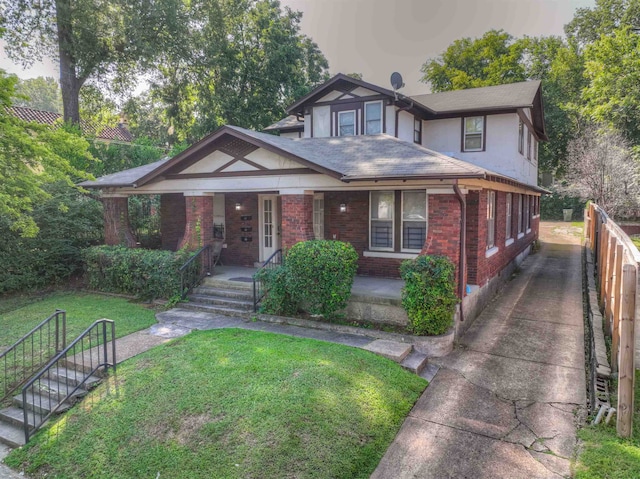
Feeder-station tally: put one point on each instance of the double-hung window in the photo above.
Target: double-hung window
(527, 211)
(509, 215)
(491, 219)
(417, 130)
(414, 220)
(529, 146)
(521, 137)
(520, 214)
(473, 133)
(382, 207)
(318, 216)
(373, 118)
(347, 123)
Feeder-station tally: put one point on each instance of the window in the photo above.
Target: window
(491, 219)
(373, 118)
(414, 220)
(509, 214)
(529, 146)
(318, 216)
(473, 132)
(417, 130)
(521, 137)
(346, 123)
(520, 211)
(381, 216)
(528, 210)
(535, 150)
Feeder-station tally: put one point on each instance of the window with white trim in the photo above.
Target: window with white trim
(347, 123)
(318, 216)
(417, 130)
(520, 214)
(382, 205)
(473, 133)
(414, 220)
(491, 219)
(529, 146)
(373, 118)
(509, 216)
(521, 137)
(527, 211)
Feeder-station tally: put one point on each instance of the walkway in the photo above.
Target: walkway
(506, 402)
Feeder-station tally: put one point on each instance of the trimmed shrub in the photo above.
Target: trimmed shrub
(429, 295)
(551, 206)
(147, 274)
(277, 299)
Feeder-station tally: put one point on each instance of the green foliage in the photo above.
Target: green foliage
(41, 93)
(308, 408)
(320, 275)
(147, 274)
(277, 299)
(429, 295)
(67, 222)
(551, 206)
(114, 157)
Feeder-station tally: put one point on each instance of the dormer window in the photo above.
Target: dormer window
(373, 118)
(347, 123)
(473, 133)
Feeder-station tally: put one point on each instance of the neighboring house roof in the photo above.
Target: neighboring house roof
(118, 133)
(289, 123)
(346, 158)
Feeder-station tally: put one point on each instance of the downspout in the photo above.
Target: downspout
(463, 247)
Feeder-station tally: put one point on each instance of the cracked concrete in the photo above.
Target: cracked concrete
(508, 400)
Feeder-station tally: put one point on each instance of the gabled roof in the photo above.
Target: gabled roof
(354, 158)
(118, 133)
(289, 123)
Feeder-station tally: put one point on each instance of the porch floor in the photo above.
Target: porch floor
(363, 286)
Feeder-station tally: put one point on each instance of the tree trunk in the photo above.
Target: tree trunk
(69, 82)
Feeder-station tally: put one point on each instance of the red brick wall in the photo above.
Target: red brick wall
(117, 230)
(172, 220)
(297, 219)
(443, 233)
(241, 253)
(198, 230)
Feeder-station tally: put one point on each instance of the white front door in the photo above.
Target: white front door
(269, 234)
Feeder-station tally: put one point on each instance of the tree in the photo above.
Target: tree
(92, 38)
(589, 24)
(601, 167)
(32, 156)
(41, 93)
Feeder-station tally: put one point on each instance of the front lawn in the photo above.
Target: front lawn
(232, 404)
(604, 454)
(18, 315)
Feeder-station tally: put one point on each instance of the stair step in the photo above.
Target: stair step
(11, 435)
(72, 377)
(15, 416)
(58, 390)
(415, 362)
(394, 350)
(40, 404)
(212, 282)
(224, 292)
(221, 301)
(210, 308)
(429, 372)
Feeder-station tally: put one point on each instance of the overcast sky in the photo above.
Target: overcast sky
(377, 37)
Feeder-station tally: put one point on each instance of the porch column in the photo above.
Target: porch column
(297, 219)
(117, 230)
(198, 229)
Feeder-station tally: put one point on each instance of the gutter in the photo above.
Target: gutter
(463, 249)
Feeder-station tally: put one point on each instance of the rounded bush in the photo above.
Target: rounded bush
(428, 295)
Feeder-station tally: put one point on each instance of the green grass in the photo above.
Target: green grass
(636, 240)
(605, 455)
(19, 314)
(232, 404)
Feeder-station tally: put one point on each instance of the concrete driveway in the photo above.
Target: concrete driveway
(506, 403)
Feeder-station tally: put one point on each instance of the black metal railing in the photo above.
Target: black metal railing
(63, 378)
(196, 268)
(33, 350)
(274, 261)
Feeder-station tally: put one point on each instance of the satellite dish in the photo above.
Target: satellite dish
(396, 81)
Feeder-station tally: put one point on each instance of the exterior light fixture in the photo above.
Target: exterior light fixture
(343, 208)
(238, 206)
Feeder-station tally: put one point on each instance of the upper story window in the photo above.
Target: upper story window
(473, 133)
(529, 146)
(417, 130)
(521, 137)
(373, 118)
(347, 123)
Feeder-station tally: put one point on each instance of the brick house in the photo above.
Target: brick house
(450, 173)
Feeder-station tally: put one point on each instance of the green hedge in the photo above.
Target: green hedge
(429, 295)
(551, 206)
(316, 277)
(147, 274)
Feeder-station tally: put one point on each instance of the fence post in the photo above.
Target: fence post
(609, 283)
(617, 306)
(627, 370)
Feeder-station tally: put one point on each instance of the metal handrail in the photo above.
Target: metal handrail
(36, 349)
(274, 261)
(194, 270)
(44, 393)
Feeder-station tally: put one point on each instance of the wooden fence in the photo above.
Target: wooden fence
(616, 262)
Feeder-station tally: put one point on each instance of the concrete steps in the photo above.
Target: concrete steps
(222, 297)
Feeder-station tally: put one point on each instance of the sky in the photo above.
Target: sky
(378, 37)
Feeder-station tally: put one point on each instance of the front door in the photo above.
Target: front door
(269, 234)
